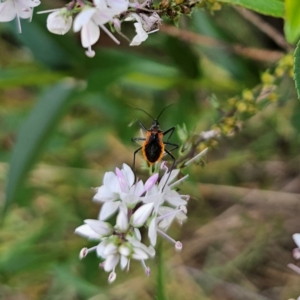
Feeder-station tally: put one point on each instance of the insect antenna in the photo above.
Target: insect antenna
(163, 111)
(145, 113)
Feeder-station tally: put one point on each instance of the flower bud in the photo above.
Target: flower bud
(111, 262)
(151, 182)
(122, 222)
(58, 22)
(141, 215)
(100, 227)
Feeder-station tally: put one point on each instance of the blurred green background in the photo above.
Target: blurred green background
(64, 117)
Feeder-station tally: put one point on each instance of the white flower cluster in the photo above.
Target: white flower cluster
(153, 205)
(22, 9)
(92, 16)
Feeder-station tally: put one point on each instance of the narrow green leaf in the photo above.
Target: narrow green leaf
(26, 76)
(292, 20)
(297, 68)
(273, 8)
(65, 277)
(33, 135)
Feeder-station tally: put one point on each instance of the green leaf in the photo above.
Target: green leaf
(273, 8)
(297, 69)
(33, 135)
(26, 76)
(65, 277)
(292, 20)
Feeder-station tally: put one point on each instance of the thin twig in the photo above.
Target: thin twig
(251, 53)
(265, 27)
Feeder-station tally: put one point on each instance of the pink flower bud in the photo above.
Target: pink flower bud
(151, 182)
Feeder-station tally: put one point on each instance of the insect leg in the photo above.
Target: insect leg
(175, 146)
(135, 152)
(137, 139)
(173, 164)
(170, 132)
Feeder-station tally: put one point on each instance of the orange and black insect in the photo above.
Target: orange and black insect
(153, 147)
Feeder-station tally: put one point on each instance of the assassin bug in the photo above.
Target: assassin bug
(153, 147)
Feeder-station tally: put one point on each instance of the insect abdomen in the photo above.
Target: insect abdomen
(153, 148)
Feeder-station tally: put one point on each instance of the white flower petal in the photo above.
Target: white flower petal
(102, 16)
(25, 12)
(100, 4)
(174, 174)
(118, 5)
(123, 262)
(102, 228)
(90, 34)
(124, 250)
(174, 198)
(108, 209)
(142, 214)
(87, 232)
(165, 223)
(137, 244)
(128, 174)
(152, 198)
(139, 254)
(152, 232)
(110, 180)
(124, 208)
(181, 217)
(141, 35)
(150, 251)
(83, 18)
(110, 249)
(138, 188)
(7, 11)
(30, 3)
(104, 194)
(101, 248)
(111, 262)
(137, 234)
(169, 214)
(296, 237)
(130, 199)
